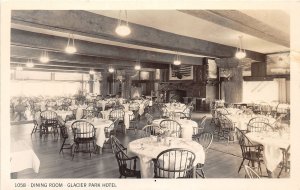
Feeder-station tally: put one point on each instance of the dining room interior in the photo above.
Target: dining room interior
(150, 94)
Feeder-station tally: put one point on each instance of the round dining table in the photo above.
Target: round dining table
(187, 126)
(273, 143)
(148, 148)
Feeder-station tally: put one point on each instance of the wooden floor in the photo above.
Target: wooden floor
(222, 160)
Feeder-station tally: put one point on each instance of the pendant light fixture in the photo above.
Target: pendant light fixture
(44, 57)
(240, 52)
(177, 60)
(138, 63)
(70, 49)
(123, 29)
(111, 69)
(137, 67)
(29, 64)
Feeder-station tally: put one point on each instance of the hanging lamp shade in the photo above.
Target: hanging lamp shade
(44, 57)
(70, 49)
(240, 52)
(123, 28)
(177, 60)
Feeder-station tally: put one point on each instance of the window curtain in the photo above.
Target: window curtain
(282, 90)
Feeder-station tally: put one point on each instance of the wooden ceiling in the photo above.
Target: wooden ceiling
(98, 47)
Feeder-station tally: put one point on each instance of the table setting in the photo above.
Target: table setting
(149, 147)
(99, 125)
(273, 142)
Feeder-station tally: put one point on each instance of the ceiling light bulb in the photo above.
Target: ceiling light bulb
(19, 68)
(70, 49)
(137, 67)
(44, 59)
(111, 70)
(29, 64)
(240, 54)
(92, 72)
(123, 30)
(177, 62)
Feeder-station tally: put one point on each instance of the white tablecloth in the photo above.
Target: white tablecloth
(186, 126)
(23, 157)
(106, 113)
(272, 142)
(63, 114)
(151, 149)
(99, 124)
(230, 110)
(241, 121)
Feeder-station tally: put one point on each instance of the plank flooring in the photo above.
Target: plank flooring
(222, 160)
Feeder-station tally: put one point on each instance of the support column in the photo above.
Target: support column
(104, 84)
(232, 85)
(126, 87)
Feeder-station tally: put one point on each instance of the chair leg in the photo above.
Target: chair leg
(62, 146)
(280, 172)
(241, 165)
(34, 129)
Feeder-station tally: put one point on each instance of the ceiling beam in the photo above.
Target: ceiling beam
(93, 25)
(53, 67)
(93, 61)
(54, 43)
(239, 21)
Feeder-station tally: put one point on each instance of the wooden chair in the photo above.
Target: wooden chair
(222, 111)
(173, 126)
(118, 114)
(148, 130)
(250, 151)
(259, 119)
(49, 120)
(149, 118)
(188, 111)
(127, 165)
(134, 120)
(227, 129)
(65, 136)
(134, 106)
(35, 127)
(259, 127)
(201, 125)
(112, 129)
(285, 164)
(84, 133)
(174, 163)
(265, 108)
(179, 115)
(163, 111)
(90, 112)
(213, 113)
(250, 173)
(205, 139)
